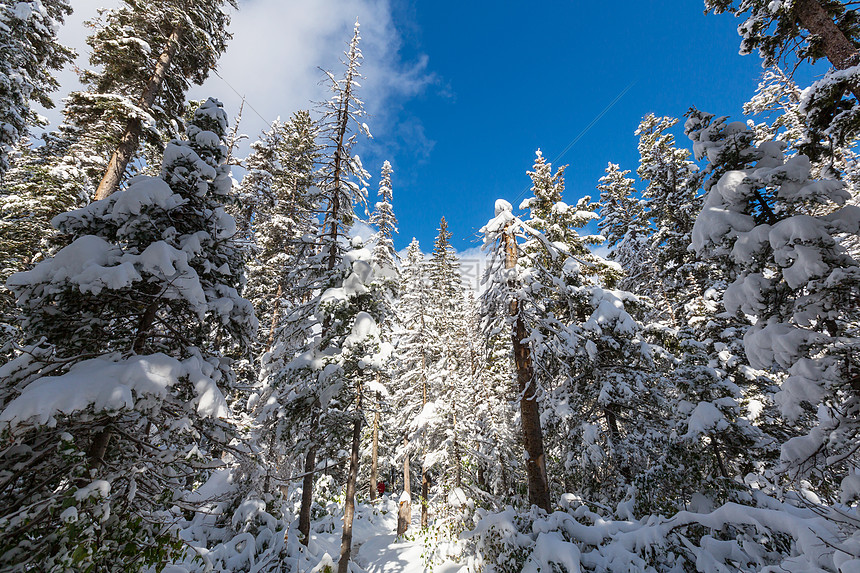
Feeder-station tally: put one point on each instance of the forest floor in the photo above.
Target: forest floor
(376, 548)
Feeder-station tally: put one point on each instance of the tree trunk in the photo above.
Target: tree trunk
(404, 513)
(307, 496)
(529, 408)
(425, 493)
(349, 504)
(98, 447)
(458, 470)
(130, 140)
(275, 308)
(838, 48)
(374, 450)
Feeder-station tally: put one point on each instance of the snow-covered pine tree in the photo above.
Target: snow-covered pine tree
(29, 54)
(672, 202)
(624, 225)
(490, 423)
(36, 189)
(147, 54)
(416, 345)
(447, 312)
(385, 260)
(279, 204)
(786, 33)
(315, 373)
(558, 221)
(778, 101)
(580, 355)
(120, 391)
(778, 235)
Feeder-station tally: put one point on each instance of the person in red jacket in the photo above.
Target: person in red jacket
(380, 487)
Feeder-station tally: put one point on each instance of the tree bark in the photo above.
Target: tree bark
(307, 495)
(404, 513)
(838, 48)
(349, 504)
(98, 447)
(425, 493)
(529, 407)
(458, 470)
(130, 140)
(374, 450)
(275, 309)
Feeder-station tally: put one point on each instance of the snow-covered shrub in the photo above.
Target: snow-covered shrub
(765, 536)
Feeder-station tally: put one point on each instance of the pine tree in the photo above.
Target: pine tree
(447, 313)
(497, 461)
(778, 236)
(312, 385)
(122, 388)
(417, 344)
(671, 196)
(147, 55)
(29, 53)
(34, 190)
(384, 259)
(624, 225)
(278, 211)
(787, 33)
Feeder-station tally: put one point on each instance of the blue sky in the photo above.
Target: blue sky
(461, 94)
(517, 76)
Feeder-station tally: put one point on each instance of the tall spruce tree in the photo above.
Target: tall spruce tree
(778, 234)
(278, 210)
(624, 225)
(317, 371)
(417, 344)
(385, 260)
(147, 55)
(29, 54)
(122, 388)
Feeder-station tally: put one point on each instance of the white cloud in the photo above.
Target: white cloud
(275, 56)
(362, 230)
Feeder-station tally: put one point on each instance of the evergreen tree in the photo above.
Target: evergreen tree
(671, 197)
(447, 313)
(786, 33)
(147, 55)
(33, 191)
(278, 212)
(29, 53)
(777, 234)
(122, 388)
(624, 225)
(417, 344)
(384, 259)
(314, 377)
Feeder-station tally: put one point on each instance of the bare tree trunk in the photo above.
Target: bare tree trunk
(404, 513)
(425, 490)
(374, 450)
(98, 447)
(275, 309)
(307, 496)
(529, 408)
(349, 504)
(130, 140)
(425, 493)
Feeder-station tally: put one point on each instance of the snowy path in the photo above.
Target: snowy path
(375, 546)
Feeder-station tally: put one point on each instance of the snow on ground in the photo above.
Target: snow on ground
(376, 548)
